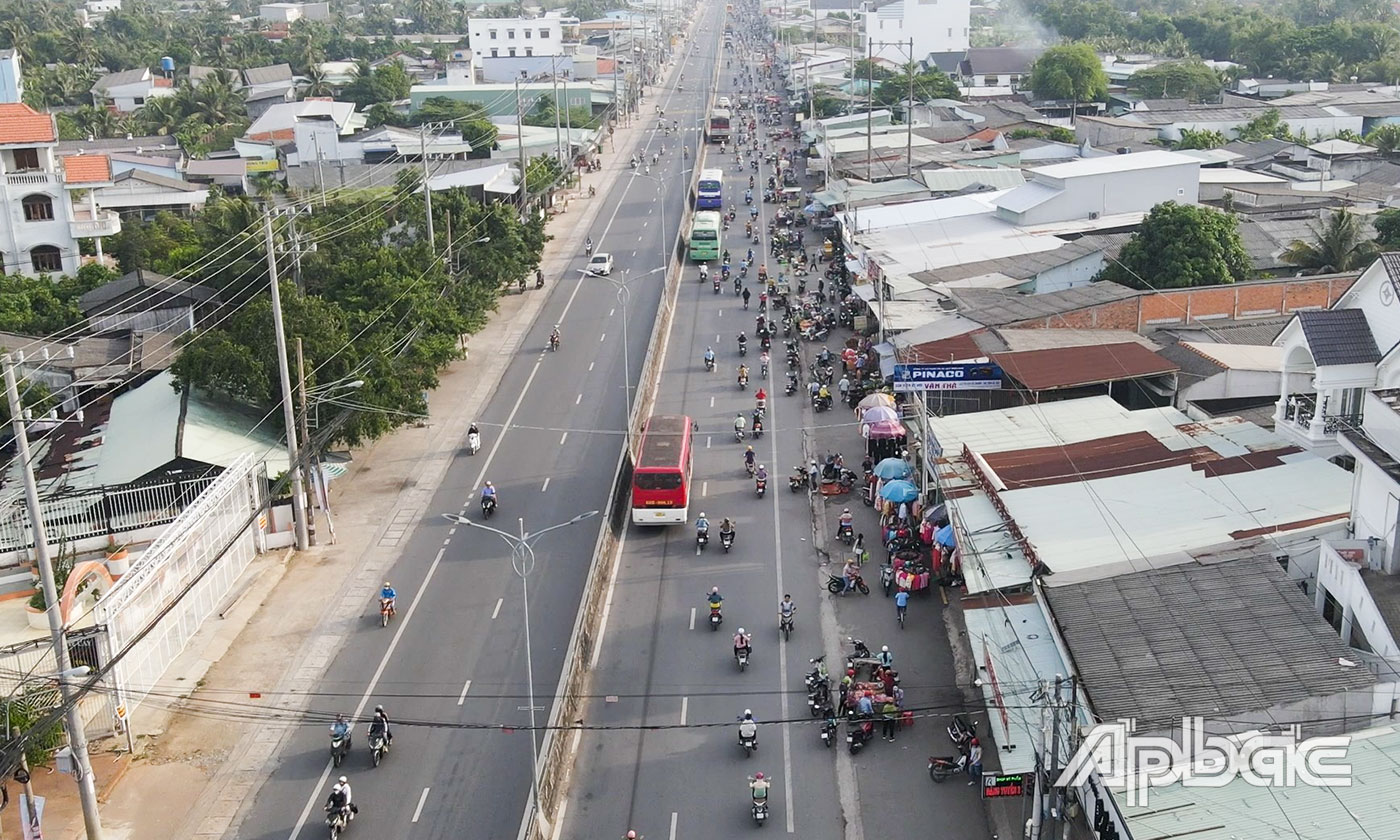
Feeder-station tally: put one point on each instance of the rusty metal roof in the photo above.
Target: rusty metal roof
(1070, 367)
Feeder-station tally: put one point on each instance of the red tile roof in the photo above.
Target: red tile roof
(20, 123)
(1070, 367)
(86, 169)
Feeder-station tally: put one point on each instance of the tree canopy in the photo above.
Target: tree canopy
(928, 84)
(1069, 71)
(1340, 244)
(1180, 245)
(1191, 80)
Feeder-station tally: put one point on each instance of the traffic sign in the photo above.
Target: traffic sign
(979, 376)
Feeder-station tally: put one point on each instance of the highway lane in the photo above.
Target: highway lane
(458, 665)
(674, 687)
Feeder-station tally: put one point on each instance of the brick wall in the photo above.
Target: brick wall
(1255, 299)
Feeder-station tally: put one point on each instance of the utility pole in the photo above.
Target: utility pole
(1072, 738)
(1040, 769)
(312, 485)
(869, 110)
(1053, 765)
(73, 716)
(427, 190)
(520, 142)
(558, 137)
(568, 131)
(909, 119)
(288, 411)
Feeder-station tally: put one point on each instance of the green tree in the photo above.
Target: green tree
(1180, 245)
(1202, 138)
(1385, 137)
(1267, 125)
(380, 84)
(928, 84)
(866, 69)
(825, 103)
(1069, 71)
(1339, 245)
(1387, 225)
(1191, 80)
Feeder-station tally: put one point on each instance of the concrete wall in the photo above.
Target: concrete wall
(1341, 580)
(1104, 194)
(1078, 272)
(1178, 306)
(1233, 384)
(545, 36)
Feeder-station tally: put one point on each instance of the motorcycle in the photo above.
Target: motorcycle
(828, 730)
(820, 403)
(488, 506)
(887, 579)
(797, 481)
(757, 430)
(791, 387)
(941, 767)
(473, 443)
(818, 672)
(378, 746)
(726, 540)
(715, 618)
(716, 285)
(743, 383)
(741, 658)
(858, 734)
(738, 435)
(702, 539)
(709, 365)
(553, 343)
(785, 625)
(961, 731)
(845, 533)
(760, 486)
(386, 611)
(749, 743)
(743, 348)
(760, 809)
(336, 821)
(738, 285)
(340, 747)
(836, 584)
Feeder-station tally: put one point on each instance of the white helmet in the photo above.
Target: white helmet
(741, 631)
(748, 713)
(884, 648)
(714, 590)
(343, 781)
(702, 514)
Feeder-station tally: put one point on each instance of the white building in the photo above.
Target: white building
(292, 12)
(11, 77)
(516, 37)
(50, 200)
(128, 90)
(936, 26)
(1094, 187)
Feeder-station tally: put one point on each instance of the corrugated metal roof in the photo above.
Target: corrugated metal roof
(1364, 810)
(951, 180)
(997, 308)
(1209, 640)
(1069, 367)
(1239, 356)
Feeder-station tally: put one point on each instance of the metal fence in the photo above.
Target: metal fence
(99, 512)
(190, 551)
(27, 663)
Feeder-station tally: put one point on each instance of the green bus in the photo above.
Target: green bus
(705, 230)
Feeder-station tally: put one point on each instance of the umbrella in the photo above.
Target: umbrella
(878, 413)
(945, 536)
(899, 491)
(936, 513)
(874, 400)
(883, 429)
(892, 468)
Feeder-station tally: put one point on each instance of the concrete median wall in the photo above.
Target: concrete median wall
(558, 746)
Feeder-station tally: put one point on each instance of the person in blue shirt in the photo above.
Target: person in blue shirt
(388, 594)
(709, 355)
(489, 491)
(702, 525)
(865, 706)
(885, 658)
(901, 603)
(341, 729)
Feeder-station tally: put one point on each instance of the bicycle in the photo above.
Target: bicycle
(899, 613)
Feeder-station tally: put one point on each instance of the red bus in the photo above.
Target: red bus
(661, 479)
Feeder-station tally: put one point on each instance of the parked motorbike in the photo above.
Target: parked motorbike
(961, 731)
(828, 730)
(836, 584)
(941, 767)
(797, 481)
(858, 734)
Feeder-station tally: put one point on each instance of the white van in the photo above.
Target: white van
(724, 102)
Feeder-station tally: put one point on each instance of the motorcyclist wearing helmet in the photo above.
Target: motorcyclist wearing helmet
(758, 787)
(762, 474)
(749, 457)
(743, 642)
(709, 357)
(715, 599)
(748, 728)
(488, 491)
(381, 722)
(702, 525)
(389, 594)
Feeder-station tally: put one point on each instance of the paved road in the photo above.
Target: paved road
(666, 689)
(451, 668)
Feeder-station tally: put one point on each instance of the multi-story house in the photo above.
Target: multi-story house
(516, 37)
(49, 200)
(934, 26)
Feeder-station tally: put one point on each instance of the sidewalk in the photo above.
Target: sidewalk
(269, 649)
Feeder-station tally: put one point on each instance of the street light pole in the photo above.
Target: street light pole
(23, 776)
(522, 561)
(77, 738)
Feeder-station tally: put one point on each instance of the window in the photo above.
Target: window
(544, 33)
(38, 208)
(512, 52)
(527, 34)
(950, 32)
(529, 51)
(26, 158)
(46, 258)
(510, 34)
(495, 53)
(138, 101)
(493, 34)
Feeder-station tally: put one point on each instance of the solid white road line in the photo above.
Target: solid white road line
(418, 812)
(462, 698)
(497, 610)
(673, 825)
(315, 797)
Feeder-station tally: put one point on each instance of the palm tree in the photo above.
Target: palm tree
(316, 83)
(1385, 137)
(160, 115)
(1341, 245)
(97, 122)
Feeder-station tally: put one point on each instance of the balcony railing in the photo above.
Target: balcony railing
(85, 225)
(30, 179)
(1301, 410)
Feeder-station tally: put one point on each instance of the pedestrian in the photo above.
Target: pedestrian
(974, 762)
(858, 549)
(889, 714)
(888, 677)
(844, 386)
(865, 706)
(812, 474)
(898, 695)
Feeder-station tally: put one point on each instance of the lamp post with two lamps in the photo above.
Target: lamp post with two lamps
(522, 560)
(308, 398)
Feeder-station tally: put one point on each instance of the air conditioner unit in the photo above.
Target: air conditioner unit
(1093, 215)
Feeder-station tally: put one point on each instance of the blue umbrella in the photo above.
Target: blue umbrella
(891, 468)
(945, 536)
(899, 491)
